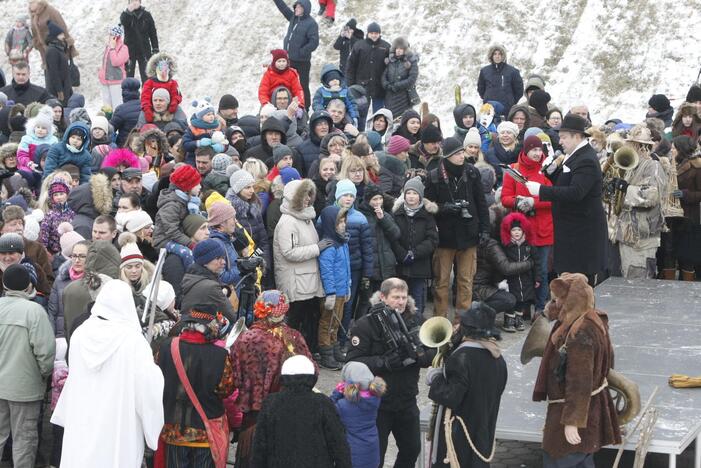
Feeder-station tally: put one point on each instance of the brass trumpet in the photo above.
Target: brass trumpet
(436, 333)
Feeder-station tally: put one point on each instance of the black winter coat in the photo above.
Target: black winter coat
(344, 46)
(398, 79)
(369, 346)
(126, 114)
(366, 64)
(418, 234)
(140, 33)
(25, 93)
(579, 220)
(522, 286)
(58, 79)
(454, 231)
(299, 428)
(302, 36)
(500, 82)
(472, 387)
(492, 267)
(386, 233)
(173, 272)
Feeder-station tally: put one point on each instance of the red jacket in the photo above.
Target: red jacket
(542, 222)
(272, 78)
(147, 93)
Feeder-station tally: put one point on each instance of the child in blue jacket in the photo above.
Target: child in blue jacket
(333, 86)
(72, 149)
(357, 399)
(334, 269)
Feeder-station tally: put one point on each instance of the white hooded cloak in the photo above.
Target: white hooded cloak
(113, 397)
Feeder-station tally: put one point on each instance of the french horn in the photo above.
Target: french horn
(624, 392)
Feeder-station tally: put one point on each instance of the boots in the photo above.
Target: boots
(518, 322)
(688, 275)
(509, 323)
(669, 274)
(327, 361)
(339, 354)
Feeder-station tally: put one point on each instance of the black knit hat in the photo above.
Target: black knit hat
(11, 243)
(431, 134)
(371, 190)
(659, 102)
(16, 278)
(539, 101)
(228, 101)
(374, 28)
(352, 24)
(694, 94)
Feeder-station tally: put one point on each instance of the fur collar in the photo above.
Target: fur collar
(429, 206)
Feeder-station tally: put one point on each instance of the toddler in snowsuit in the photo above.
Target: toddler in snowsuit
(332, 87)
(59, 211)
(201, 132)
(279, 73)
(160, 68)
(72, 149)
(357, 399)
(39, 132)
(515, 232)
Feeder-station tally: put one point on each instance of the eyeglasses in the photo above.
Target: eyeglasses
(79, 257)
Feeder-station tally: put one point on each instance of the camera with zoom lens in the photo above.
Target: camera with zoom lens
(249, 264)
(464, 211)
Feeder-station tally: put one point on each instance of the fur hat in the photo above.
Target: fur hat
(344, 187)
(121, 157)
(640, 134)
(416, 185)
(161, 93)
(539, 100)
(69, 238)
(219, 213)
(207, 250)
(400, 43)
(479, 319)
(202, 107)
(297, 365)
(240, 180)
(431, 134)
(398, 144)
(451, 145)
(185, 178)
(192, 223)
(13, 212)
(508, 223)
(507, 126)
(472, 137)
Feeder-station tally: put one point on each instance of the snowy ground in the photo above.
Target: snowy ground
(610, 54)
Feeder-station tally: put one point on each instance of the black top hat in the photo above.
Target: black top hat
(575, 124)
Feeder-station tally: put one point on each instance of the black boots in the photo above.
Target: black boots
(327, 360)
(520, 326)
(509, 323)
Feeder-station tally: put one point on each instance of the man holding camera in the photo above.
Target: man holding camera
(463, 222)
(387, 341)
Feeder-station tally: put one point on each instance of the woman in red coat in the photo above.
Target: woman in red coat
(516, 197)
(279, 74)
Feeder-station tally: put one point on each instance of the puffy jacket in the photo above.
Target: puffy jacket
(167, 225)
(250, 216)
(263, 151)
(366, 64)
(361, 243)
(25, 93)
(126, 114)
(386, 233)
(201, 287)
(139, 32)
(89, 201)
(310, 148)
(294, 245)
(274, 78)
(359, 418)
(418, 234)
(230, 276)
(398, 79)
(112, 70)
(55, 308)
(58, 78)
(500, 82)
(302, 36)
(334, 262)
(344, 46)
(542, 222)
(492, 267)
(59, 155)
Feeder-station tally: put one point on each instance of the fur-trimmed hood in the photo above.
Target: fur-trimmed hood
(162, 141)
(429, 206)
(121, 157)
(151, 65)
(92, 199)
(295, 191)
(506, 227)
(498, 47)
(410, 303)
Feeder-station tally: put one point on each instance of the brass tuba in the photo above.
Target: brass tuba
(624, 159)
(436, 333)
(625, 392)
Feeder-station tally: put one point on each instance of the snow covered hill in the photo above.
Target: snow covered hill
(610, 54)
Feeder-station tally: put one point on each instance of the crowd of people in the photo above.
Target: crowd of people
(330, 224)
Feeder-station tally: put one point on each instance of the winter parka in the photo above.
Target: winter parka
(201, 287)
(126, 114)
(310, 148)
(399, 79)
(249, 214)
(386, 233)
(140, 33)
(418, 234)
(500, 81)
(55, 307)
(324, 95)
(302, 36)
(361, 243)
(334, 261)
(89, 201)
(492, 267)
(59, 154)
(58, 78)
(344, 46)
(274, 78)
(522, 285)
(366, 64)
(167, 225)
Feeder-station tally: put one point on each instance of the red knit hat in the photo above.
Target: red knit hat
(279, 54)
(185, 178)
(532, 142)
(397, 144)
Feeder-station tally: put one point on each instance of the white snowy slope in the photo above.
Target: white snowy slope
(610, 54)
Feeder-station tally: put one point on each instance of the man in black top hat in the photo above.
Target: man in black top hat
(578, 212)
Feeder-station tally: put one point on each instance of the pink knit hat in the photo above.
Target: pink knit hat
(397, 144)
(68, 238)
(220, 212)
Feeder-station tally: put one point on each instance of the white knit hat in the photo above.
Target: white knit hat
(472, 137)
(239, 180)
(134, 221)
(130, 253)
(166, 294)
(507, 126)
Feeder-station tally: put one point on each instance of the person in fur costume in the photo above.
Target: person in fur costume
(298, 426)
(160, 69)
(470, 385)
(257, 356)
(581, 417)
(357, 398)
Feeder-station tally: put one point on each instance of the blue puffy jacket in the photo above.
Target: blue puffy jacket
(361, 430)
(59, 155)
(360, 243)
(334, 262)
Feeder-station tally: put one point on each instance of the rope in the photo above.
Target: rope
(451, 456)
(594, 393)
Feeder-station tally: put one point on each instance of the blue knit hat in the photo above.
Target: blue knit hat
(288, 174)
(207, 250)
(344, 187)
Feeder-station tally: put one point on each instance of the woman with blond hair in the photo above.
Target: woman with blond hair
(353, 169)
(261, 186)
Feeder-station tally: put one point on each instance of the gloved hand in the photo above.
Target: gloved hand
(484, 238)
(330, 302)
(525, 204)
(218, 148)
(365, 283)
(408, 258)
(204, 142)
(432, 373)
(324, 244)
(451, 208)
(392, 361)
(620, 184)
(678, 194)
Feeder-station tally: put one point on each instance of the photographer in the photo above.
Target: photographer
(386, 340)
(463, 222)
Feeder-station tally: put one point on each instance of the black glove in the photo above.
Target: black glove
(620, 184)
(484, 238)
(451, 208)
(392, 360)
(408, 258)
(365, 283)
